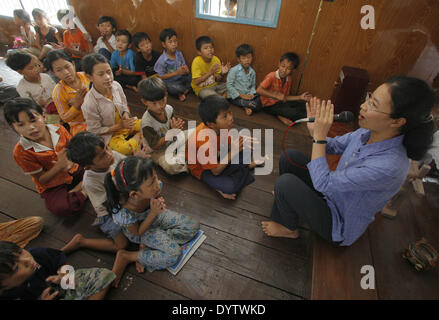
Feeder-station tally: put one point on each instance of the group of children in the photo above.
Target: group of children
(103, 153)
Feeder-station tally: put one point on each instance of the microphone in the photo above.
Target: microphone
(345, 116)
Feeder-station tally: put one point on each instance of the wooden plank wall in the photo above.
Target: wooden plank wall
(405, 39)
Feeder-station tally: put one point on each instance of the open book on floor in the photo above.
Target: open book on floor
(188, 250)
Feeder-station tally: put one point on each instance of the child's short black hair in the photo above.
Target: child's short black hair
(18, 60)
(202, 40)
(15, 106)
(243, 50)
(9, 254)
(167, 33)
(22, 15)
(124, 33)
(54, 55)
(39, 13)
(61, 13)
(138, 37)
(82, 148)
(107, 19)
(210, 107)
(291, 57)
(152, 89)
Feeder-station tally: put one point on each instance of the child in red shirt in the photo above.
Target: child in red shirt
(275, 92)
(40, 153)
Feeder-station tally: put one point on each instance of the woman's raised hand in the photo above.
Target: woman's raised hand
(324, 117)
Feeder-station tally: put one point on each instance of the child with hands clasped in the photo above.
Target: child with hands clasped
(207, 70)
(275, 91)
(133, 197)
(106, 43)
(41, 153)
(157, 121)
(171, 66)
(105, 108)
(68, 95)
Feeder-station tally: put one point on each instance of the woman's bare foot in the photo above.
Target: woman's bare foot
(228, 196)
(284, 120)
(73, 244)
(256, 163)
(248, 111)
(182, 97)
(274, 229)
(123, 258)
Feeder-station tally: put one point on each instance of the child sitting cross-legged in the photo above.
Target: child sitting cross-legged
(224, 175)
(105, 108)
(30, 274)
(41, 153)
(157, 121)
(90, 152)
(134, 198)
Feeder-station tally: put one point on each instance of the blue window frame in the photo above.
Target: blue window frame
(254, 12)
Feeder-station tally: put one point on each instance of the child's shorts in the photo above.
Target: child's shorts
(107, 226)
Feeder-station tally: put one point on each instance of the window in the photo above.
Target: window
(255, 12)
(51, 7)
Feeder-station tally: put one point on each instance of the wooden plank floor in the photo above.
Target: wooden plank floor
(237, 261)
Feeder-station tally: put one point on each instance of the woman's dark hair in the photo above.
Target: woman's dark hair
(413, 99)
(54, 55)
(18, 60)
(129, 175)
(167, 33)
(38, 13)
(210, 107)
(82, 148)
(124, 33)
(9, 254)
(291, 57)
(152, 89)
(138, 37)
(90, 60)
(22, 15)
(108, 19)
(15, 106)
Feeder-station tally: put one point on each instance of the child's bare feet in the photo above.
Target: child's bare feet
(256, 163)
(227, 196)
(123, 258)
(139, 267)
(248, 111)
(274, 229)
(73, 244)
(134, 88)
(284, 120)
(182, 97)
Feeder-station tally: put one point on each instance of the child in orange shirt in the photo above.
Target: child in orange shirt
(70, 91)
(76, 44)
(225, 176)
(40, 153)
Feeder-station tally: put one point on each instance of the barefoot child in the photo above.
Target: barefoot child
(224, 176)
(157, 121)
(241, 82)
(70, 91)
(90, 152)
(105, 108)
(133, 196)
(275, 92)
(46, 34)
(26, 275)
(41, 153)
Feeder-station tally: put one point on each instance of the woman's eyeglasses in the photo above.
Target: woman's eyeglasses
(371, 106)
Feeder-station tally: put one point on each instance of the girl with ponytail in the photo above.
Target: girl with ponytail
(133, 197)
(395, 125)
